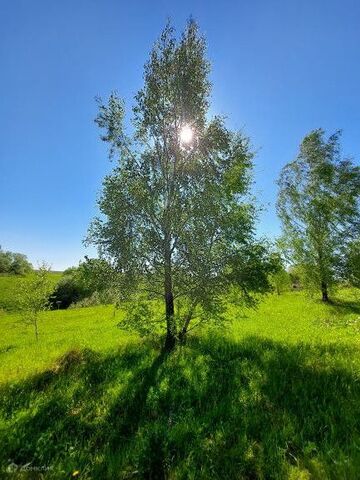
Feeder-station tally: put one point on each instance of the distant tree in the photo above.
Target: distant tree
(318, 204)
(20, 264)
(5, 261)
(280, 278)
(15, 263)
(280, 281)
(296, 276)
(70, 271)
(34, 296)
(176, 221)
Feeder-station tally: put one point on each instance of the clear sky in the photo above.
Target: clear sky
(280, 69)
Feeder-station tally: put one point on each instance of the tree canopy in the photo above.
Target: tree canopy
(15, 263)
(176, 218)
(318, 204)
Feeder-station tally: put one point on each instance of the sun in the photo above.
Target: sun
(186, 134)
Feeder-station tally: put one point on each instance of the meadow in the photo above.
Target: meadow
(276, 395)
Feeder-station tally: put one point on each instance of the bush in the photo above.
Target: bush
(280, 281)
(67, 291)
(97, 298)
(79, 285)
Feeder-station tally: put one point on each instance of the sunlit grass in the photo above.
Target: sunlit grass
(59, 331)
(276, 396)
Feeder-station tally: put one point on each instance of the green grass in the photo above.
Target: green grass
(275, 397)
(9, 289)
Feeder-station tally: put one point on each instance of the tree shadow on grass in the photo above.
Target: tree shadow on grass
(212, 409)
(344, 307)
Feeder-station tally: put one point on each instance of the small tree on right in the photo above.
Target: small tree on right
(318, 204)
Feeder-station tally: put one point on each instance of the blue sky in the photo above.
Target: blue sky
(280, 69)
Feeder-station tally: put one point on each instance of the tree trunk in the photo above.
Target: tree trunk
(170, 340)
(36, 330)
(169, 313)
(324, 292)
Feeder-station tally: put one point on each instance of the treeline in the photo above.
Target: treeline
(14, 263)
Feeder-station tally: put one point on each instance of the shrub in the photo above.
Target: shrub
(81, 283)
(67, 291)
(104, 297)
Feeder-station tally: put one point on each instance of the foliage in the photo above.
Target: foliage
(142, 317)
(5, 261)
(10, 285)
(67, 291)
(94, 275)
(353, 264)
(104, 297)
(176, 219)
(296, 276)
(34, 296)
(318, 204)
(78, 283)
(264, 401)
(15, 263)
(280, 281)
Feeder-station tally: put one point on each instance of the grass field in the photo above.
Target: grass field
(275, 396)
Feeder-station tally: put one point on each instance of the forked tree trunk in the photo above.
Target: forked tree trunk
(324, 292)
(182, 335)
(183, 331)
